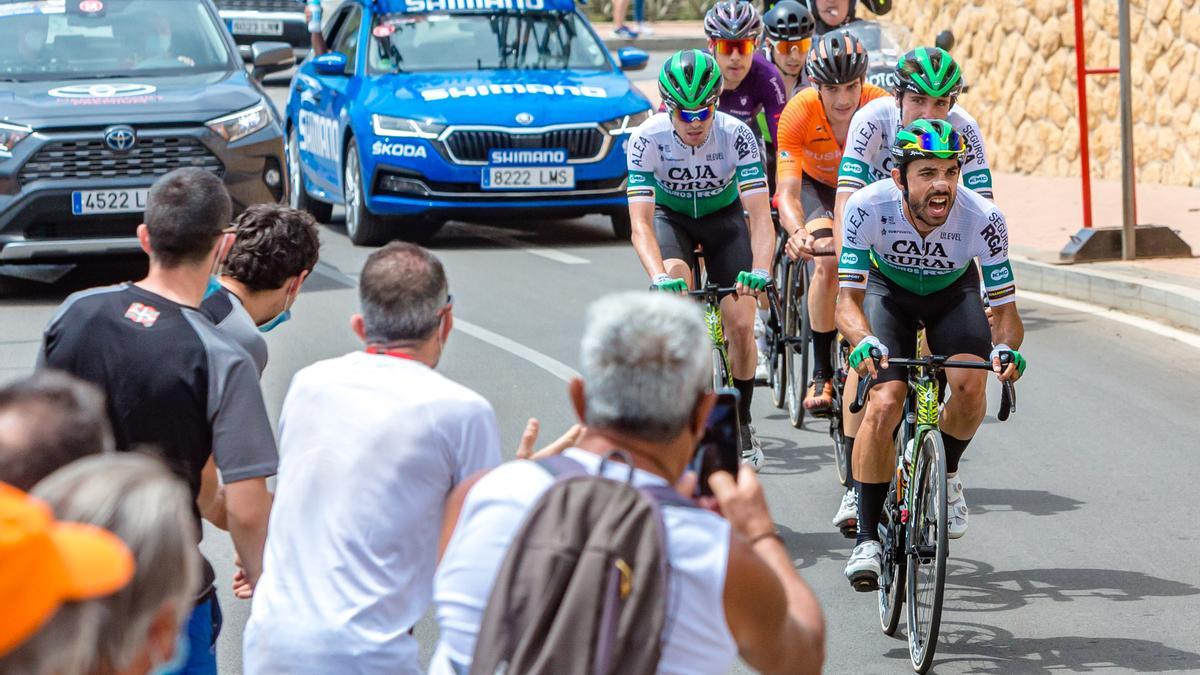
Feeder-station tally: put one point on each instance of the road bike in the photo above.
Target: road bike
(912, 528)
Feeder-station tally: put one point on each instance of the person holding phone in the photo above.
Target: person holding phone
(645, 390)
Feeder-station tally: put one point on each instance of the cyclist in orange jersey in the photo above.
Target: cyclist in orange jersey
(812, 136)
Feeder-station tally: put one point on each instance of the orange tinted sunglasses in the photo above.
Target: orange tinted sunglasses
(728, 47)
(792, 46)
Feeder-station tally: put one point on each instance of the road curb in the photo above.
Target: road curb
(1167, 303)
(658, 44)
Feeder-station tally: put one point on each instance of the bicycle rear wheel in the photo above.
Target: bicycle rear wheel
(892, 571)
(928, 548)
(798, 352)
(777, 344)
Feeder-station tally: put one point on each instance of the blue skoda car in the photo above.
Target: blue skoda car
(427, 110)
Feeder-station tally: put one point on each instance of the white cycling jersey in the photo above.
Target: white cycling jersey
(868, 155)
(694, 181)
(878, 237)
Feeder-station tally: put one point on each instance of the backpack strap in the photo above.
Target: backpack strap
(666, 495)
(561, 466)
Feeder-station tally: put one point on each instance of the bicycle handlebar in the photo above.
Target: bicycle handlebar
(1008, 393)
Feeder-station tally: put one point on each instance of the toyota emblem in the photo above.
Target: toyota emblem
(120, 138)
(524, 118)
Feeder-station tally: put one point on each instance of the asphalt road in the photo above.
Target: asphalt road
(1071, 563)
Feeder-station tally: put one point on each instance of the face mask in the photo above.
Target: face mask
(177, 661)
(213, 286)
(274, 323)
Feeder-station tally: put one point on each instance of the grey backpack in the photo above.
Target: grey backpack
(583, 587)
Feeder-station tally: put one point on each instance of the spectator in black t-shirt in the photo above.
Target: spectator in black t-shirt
(48, 420)
(172, 379)
(275, 249)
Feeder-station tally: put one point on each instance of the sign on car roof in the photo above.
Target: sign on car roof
(422, 6)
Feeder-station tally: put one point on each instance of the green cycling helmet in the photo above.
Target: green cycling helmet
(927, 139)
(930, 71)
(690, 80)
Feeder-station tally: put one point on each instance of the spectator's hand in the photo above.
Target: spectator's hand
(308, 10)
(742, 502)
(687, 487)
(242, 589)
(530, 435)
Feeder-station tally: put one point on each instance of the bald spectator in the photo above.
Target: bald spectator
(48, 420)
(371, 443)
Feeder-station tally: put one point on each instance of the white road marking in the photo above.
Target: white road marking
(1190, 339)
(556, 368)
(501, 237)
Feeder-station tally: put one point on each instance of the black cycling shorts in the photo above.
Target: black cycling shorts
(817, 202)
(723, 235)
(953, 318)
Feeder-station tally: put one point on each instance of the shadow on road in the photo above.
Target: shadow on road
(461, 235)
(808, 548)
(46, 289)
(784, 457)
(1033, 502)
(980, 648)
(975, 586)
(1035, 320)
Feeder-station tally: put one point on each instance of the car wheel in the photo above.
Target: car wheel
(621, 226)
(297, 197)
(363, 227)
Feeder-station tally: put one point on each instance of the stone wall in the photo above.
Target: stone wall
(1019, 58)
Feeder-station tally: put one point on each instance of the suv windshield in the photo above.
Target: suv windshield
(516, 40)
(55, 40)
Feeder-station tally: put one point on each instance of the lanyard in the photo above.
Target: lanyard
(396, 353)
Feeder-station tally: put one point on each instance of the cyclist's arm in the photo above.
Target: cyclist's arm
(752, 187)
(998, 280)
(316, 37)
(774, 98)
(863, 140)
(976, 174)
(854, 266)
(788, 166)
(641, 160)
(849, 316)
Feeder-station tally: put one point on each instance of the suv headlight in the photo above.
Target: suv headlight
(625, 124)
(10, 135)
(238, 125)
(406, 127)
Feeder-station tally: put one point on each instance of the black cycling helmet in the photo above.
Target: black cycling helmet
(837, 58)
(733, 20)
(788, 21)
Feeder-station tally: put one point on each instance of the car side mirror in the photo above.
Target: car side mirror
(632, 58)
(246, 54)
(270, 57)
(945, 40)
(332, 63)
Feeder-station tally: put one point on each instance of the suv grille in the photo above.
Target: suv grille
(473, 146)
(72, 160)
(262, 5)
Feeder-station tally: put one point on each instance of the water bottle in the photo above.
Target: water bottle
(314, 21)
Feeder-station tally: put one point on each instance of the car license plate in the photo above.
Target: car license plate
(529, 178)
(88, 202)
(256, 27)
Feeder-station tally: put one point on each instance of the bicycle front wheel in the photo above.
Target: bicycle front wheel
(892, 571)
(720, 369)
(928, 548)
(836, 429)
(798, 327)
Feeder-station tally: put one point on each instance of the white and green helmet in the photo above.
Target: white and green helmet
(690, 80)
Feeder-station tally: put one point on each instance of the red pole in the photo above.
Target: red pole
(1081, 87)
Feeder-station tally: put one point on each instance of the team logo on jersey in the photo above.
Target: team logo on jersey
(849, 258)
(745, 100)
(143, 314)
(977, 179)
(1000, 274)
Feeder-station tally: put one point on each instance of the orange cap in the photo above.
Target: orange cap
(44, 563)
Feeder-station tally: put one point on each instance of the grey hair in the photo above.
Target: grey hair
(645, 364)
(402, 290)
(137, 498)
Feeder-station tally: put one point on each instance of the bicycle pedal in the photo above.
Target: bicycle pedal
(865, 584)
(849, 531)
(822, 413)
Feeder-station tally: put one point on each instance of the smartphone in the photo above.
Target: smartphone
(719, 448)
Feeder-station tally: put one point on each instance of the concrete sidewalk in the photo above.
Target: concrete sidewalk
(667, 36)
(1044, 212)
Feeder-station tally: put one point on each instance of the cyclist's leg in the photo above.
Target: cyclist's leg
(960, 329)
(726, 240)
(677, 246)
(816, 199)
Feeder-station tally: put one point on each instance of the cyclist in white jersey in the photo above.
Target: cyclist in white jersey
(692, 171)
(908, 263)
(928, 84)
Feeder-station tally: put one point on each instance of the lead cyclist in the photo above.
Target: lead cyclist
(907, 262)
(692, 171)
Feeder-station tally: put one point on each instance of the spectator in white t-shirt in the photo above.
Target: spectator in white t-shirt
(370, 446)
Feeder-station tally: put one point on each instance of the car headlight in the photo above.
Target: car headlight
(625, 124)
(238, 125)
(406, 127)
(10, 135)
